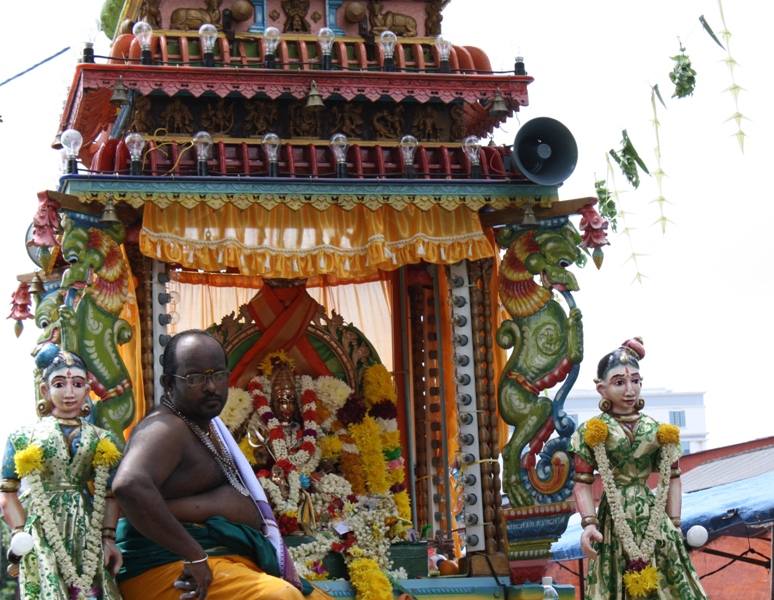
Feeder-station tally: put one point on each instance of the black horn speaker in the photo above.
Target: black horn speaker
(545, 151)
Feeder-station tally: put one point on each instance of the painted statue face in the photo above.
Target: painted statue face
(66, 389)
(622, 386)
(286, 408)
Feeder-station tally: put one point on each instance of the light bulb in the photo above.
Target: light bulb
(271, 143)
(443, 46)
(339, 144)
(470, 146)
(272, 37)
(203, 142)
(408, 146)
(71, 142)
(387, 40)
(697, 536)
(143, 32)
(21, 543)
(325, 38)
(208, 33)
(135, 143)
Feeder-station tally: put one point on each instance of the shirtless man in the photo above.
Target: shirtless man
(174, 472)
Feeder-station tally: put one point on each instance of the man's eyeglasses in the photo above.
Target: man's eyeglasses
(195, 379)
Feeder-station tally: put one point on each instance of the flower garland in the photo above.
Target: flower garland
(641, 577)
(238, 408)
(307, 456)
(29, 463)
(287, 507)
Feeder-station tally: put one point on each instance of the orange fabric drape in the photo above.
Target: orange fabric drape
(286, 243)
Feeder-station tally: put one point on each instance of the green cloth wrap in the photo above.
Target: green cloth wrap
(217, 536)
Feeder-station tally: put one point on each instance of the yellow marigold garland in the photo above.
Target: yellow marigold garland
(641, 583)
(377, 385)
(331, 446)
(369, 581)
(267, 364)
(596, 432)
(366, 435)
(248, 451)
(668, 434)
(403, 502)
(391, 440)
(28, 460)
(106, 454)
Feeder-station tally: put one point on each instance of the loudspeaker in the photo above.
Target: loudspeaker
(545, 151)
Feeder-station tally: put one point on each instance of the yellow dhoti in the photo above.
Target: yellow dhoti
(233, 578)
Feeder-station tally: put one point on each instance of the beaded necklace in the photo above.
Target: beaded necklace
(221, 453)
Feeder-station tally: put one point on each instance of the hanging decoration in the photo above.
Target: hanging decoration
(616, 195)
(659, 172)
(682, 75)
(628, 159)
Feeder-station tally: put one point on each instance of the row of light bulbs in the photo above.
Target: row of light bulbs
(208, 33)
(72, 141)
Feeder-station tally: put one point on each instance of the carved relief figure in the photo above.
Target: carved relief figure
(218, 118)
(434, 17)
(150, 12)
(303, 122)
(295, 11)
(458, 127)
(388, 124)
(142, 122)
(193, 18)
(399, 24)
(177, 118)
(348, 120)
(425, 125)
(261, 116)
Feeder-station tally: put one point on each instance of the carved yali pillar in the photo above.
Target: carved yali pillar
(546, 343)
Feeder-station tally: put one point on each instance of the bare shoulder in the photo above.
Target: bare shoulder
(160, 434)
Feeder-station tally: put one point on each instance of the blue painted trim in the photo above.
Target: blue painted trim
(259, 25)
(331, 6)
(75, 184)
(454, 587)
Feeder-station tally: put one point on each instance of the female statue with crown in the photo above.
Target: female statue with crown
(287, 422)
(72, 533)
(633, 542)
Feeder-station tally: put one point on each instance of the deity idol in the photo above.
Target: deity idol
(633, 542)
(73, 555)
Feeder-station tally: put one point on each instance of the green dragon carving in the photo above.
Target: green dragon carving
(546, 345)
(83, 316)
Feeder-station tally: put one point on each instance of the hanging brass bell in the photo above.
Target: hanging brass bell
(314, 99)
(119, 97)
(36, 285)
(529, 221)
(109, 214)
(499, 108)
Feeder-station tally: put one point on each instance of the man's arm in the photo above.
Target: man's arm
(152, 455)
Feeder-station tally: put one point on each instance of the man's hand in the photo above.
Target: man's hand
(590, 534)
(195, 580)
(113, 557)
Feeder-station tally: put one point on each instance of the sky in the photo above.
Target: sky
(701, 305)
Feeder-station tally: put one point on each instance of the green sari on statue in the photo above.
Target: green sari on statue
(67, 468)
(633, 456)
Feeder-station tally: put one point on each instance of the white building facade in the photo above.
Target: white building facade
(684, 409)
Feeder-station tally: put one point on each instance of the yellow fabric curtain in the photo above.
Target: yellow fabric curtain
(206, 298)
(303, 242)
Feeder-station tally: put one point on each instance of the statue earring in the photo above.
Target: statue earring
(605, 405)
(43, 407)
(640, 404)
(86, 409)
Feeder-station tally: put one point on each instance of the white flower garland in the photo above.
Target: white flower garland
(239, 408)
(282, 506)
(91, 557)
(620, 524)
